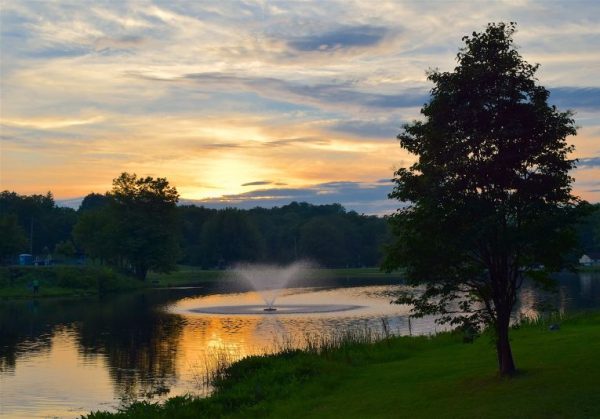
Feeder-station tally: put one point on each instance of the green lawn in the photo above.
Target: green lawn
(185, 275)
(85, 280)
(62, 281)
(190, 275)
(412, 378)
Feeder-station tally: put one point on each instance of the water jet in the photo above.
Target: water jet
(270, 280)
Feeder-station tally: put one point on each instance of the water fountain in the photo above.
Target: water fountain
(269, 281)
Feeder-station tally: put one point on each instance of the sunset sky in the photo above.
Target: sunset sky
(258, 102)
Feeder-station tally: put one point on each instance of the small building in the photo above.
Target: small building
(590, 259)
(25, 259)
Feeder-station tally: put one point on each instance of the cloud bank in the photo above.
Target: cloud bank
(221, 96)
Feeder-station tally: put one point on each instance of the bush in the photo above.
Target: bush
(79, 278)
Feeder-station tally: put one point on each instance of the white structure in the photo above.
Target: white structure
(590, 259)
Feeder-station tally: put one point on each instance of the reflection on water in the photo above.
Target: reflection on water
(67, 357)
(575, 292)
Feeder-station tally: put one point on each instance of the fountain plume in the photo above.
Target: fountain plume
(270, 280)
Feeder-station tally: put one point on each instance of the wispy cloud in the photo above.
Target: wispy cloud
(214, 95)
(344, 37)
(363, 197)
(588, 162)
(576, 98)
(258, 183)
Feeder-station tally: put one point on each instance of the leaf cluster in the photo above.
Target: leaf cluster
(489, 196)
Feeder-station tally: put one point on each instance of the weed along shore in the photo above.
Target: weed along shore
(415, 377)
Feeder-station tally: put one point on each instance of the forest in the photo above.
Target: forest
(140, 228)
(328, 235)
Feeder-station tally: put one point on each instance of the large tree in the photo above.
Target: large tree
(147, 222)
(135, 227)
(489, 196)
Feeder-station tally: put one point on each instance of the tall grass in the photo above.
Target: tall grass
(214, 366)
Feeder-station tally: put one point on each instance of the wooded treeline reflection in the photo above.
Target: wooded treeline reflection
(138, 340)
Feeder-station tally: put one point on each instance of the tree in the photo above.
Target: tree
(134, 227)
(95, 233)
(324, 240)
(229, 237)
(64, 249)
(44, 223)
(144, 211)
(490, 194)
(93, 201)
(13, 238)
(589, 232)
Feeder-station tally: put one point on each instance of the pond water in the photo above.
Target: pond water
(64, 358)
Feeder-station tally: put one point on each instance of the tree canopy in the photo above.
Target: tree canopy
(220, 238)
(489, 197)
(137, 228)
(32, 223)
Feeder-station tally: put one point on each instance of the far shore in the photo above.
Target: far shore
(16, 282)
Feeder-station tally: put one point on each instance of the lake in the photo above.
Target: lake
(65, 357)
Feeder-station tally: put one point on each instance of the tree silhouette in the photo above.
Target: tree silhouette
(136, 229)
(490, 196)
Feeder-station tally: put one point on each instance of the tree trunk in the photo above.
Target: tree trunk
(141, 272)
(506, 364)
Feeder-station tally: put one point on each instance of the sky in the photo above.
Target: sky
(258, 103)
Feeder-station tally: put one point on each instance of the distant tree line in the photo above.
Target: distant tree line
(589, 231)
(34, 224)
(113, 233)
(138, 227)
(326, 234)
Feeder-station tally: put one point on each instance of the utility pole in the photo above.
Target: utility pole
(31, 236)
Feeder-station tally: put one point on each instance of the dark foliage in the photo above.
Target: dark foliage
(489, 198)
(135, 227)
(32, 224)
(589, 232)
(326, 234)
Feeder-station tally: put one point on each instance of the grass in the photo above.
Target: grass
(413, 377)
(190, 275)
(185, 275)
(61, 281)
(357, 273)
(74, 281)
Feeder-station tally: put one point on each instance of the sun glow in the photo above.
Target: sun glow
(89, 92)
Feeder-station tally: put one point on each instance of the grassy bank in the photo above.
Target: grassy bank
(60, 281)
(185, 275)
(409, 377)
(72, 281)
(595, 268)
(190, 275)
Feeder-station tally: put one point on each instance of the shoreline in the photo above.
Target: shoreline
(81, 281)
(426, 376)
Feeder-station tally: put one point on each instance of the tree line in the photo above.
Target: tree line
(104, 229)
(138, 226)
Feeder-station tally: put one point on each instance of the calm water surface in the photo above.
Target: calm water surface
(64, 358)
